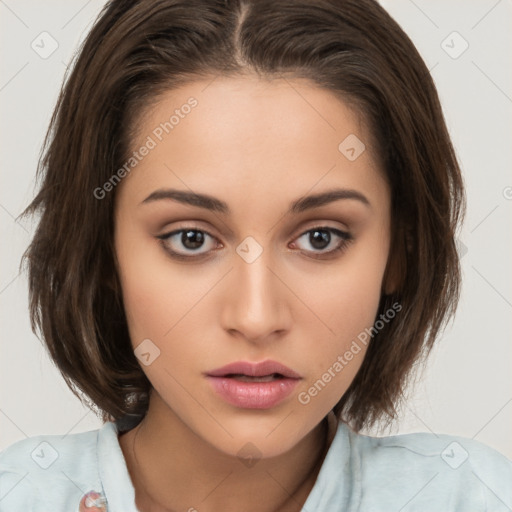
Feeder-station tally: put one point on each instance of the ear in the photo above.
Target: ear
(396, 268)
(391, 282)
(112, 278)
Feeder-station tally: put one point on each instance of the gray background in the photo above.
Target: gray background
(466, 389)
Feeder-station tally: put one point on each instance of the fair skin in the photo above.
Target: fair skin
(257, 146)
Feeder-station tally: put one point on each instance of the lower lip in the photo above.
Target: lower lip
(253, 395)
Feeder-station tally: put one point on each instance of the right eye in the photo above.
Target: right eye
(184, 243)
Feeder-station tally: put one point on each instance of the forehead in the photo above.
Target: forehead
(236, 134)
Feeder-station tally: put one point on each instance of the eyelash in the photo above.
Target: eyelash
(347, 238)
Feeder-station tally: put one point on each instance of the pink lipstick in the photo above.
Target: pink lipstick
(253, 385)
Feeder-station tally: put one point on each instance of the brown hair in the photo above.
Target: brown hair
(138, 49)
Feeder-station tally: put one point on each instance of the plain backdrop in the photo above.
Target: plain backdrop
(466, 389)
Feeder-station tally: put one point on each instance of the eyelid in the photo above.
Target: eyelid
(346, 239)
(319, 224)
(303, 230)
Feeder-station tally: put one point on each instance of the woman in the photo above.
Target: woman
(246, 246)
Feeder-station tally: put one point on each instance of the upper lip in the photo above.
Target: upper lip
(260, 369)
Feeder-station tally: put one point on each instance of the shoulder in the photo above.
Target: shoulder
(437, 469)
(445, 450)
(36, 469)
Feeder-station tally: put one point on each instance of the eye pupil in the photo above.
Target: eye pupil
(192, 239)
(320, 239)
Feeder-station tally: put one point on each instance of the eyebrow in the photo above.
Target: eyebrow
(216, 205)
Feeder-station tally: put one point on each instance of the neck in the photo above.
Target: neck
(174, 469)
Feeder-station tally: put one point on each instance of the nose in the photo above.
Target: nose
(256, 301)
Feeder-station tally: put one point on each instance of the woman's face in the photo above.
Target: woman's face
(251, 278)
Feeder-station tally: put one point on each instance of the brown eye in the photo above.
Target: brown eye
(321, 238)
(185, 242)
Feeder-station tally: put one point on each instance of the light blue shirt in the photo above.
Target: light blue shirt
(402, 473)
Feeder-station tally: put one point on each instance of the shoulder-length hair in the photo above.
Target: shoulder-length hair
(138, 49)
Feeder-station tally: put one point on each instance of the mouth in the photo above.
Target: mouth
(253, 385)
(268, 370)
(249, 378)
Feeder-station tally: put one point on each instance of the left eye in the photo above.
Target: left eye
(192, 239)
(321, 237)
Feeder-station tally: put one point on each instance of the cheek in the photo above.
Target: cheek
(335, 357)
(159, 303)
(156, 295)
(344, 299)
(347, 304)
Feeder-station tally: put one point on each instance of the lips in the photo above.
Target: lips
(249, 385)
(264, 371)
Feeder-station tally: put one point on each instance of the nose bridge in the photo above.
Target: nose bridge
(257, 299)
